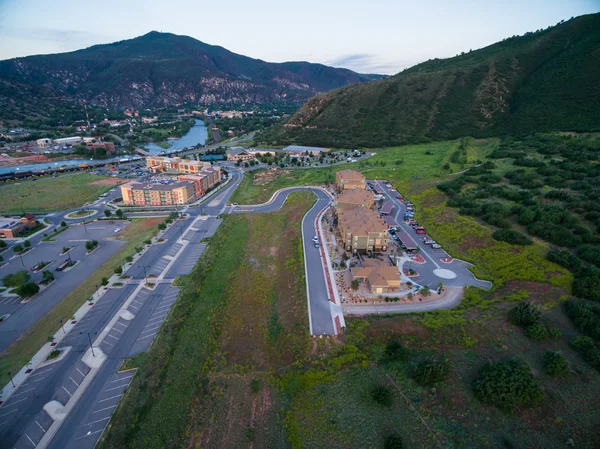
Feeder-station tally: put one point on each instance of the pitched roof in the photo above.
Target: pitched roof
(360, 221)
(378, 274)
(355, 196)
(350, 175)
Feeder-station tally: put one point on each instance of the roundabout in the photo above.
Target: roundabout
(443, 273)
(80, 214)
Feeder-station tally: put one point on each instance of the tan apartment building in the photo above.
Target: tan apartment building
(203, 181)
(161, 164)
(350, 179)
(380, 278)
(362, 230)
(138, 194)
(355, 198)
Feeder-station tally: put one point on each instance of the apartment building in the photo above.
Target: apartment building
(161, 164)
(350, 179)
(135, 193)
(355, 198)
(380, 277)
(207, 178)
(362, 230)
(108, 146)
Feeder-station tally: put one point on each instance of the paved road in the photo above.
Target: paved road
(432, 256)
(320, 316)
(23, 422)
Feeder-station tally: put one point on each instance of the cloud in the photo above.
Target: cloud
(368, 63)
(59, 39)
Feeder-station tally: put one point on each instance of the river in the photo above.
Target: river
(198, 134)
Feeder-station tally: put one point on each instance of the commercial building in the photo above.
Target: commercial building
(300, 150)
(355, 198)
(380, 278)
(239, 154)
(68, 141)
(43, 143)
(362, 230)
(13, 227)
(108, 146)
(159, 164)
(350, 179)
(168, 191)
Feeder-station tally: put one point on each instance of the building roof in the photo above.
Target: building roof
(8, 222)
(386, 208)
(390, 221)
(355, 196)
(360, 221)
(234, 151)
(377, 273)
(350, 175)
(303, 149)
(407, 240)
(158, 187)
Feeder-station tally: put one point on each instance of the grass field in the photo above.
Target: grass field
(21, 351)
(241, 315)
(51, 194)
(408, 166)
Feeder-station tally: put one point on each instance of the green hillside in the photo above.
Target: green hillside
(547, 80)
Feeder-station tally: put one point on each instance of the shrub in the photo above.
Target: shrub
(524, 314)
(162, 226)
(512, 237)
(507, 385)
(63, 224)
(255, 386)
(118, 270)
(431, 371)
(355, 284)
(382, 395)
(27, 290)
(393, 441)
(592, 357)
(585, 318)
(107, 212)
(394, 350)
(104, 281)
(16, 279)
(537, 332)
(582, 343)
(555, 364)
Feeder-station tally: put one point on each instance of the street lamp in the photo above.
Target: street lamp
(63, 327)
(90, 341)
(11, 380)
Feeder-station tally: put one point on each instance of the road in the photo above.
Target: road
(427, 271)
(24, 423)
(319, 306)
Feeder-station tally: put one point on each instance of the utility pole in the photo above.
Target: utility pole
(11, 380)
(63, 327)
(84, 228)
(91, 347)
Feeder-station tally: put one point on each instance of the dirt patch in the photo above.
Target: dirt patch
(106, 182)
(265, 177)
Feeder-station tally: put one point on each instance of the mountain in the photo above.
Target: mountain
(547, 80)
(160, 69)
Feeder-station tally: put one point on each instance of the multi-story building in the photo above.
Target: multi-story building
(108, 146)
(362, 230)
(160, 164)
(350, 179)
(355, 198)
(171, 191)
(13, 227)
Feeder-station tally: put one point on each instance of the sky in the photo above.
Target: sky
(374, 36)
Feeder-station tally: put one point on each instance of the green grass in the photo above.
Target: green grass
(20, 352)
(404, 166)
(51, 194)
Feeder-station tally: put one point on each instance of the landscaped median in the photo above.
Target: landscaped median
(20, 352)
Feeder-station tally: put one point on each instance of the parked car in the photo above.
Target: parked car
(420, 230)
(315, 239)
(317, 245)
(429, 242)
(116, 230)
(436, 246)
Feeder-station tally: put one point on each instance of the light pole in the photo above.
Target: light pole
(84, 228)
(11, 380)
(90, 342)
(69, 254)
(63, 327)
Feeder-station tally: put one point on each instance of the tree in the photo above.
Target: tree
(107, 212)
(431, 371)
(425, 291)
(104, 281)
(63, 223)
(18, 248)
(393, 441)
(27, 244)
(119, 213)
(91, 244)
(555, 364)
(3, 244)
(382, 395)
(394, 350)
(162, 226)
(16, 279)
(48, 276)
(27, 290)
(508, 385)
(355, 284)
(119, 270)
(524, 314)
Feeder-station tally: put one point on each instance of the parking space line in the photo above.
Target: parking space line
(137, 302)
(131, 305)
(90, 434)
(109, 344)
(12, 411)
(150, 330)
(112, 397)
(117, 387)
(73, 381)
(108, 335)
(147, 336)
(34, 445)
(106, 408)
(118, 322)
(116, 380)
(16, 402)
(158, 318)
(68, 392)
(115, 329)
(41, 372)
(40, 427)
(23, 392)
(94, 422)
(80, 372)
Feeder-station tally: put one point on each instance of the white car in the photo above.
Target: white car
(315, 239)
(436, 246)
(430, 242)
(116, 230)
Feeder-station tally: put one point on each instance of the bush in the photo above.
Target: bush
(507, 385)
(91, 244)
(16, 279)
(582, 343)
(162, 226)
(431, 371)
(63, 224)
(27, 290)
(537, 332)
(512, 237)
(393, 441)
(585, 318)
(555, 364)
(524, 314)
(118, 270)
(382, 395)
(104, 281)
(395, 351)
(592, 357)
